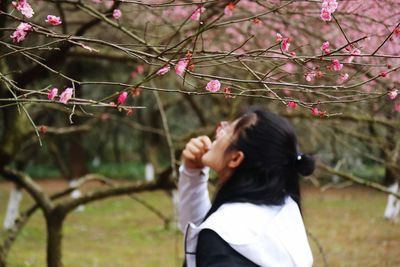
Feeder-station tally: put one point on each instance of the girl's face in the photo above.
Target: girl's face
(216, 158)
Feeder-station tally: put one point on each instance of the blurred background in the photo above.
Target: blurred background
(91, 182)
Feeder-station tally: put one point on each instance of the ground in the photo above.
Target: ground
(347, 223)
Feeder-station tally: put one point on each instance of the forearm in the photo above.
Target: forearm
(194, 201)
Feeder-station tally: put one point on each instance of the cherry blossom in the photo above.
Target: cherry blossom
(20, 33)
(256, 21)
(383, 74)
(356, 52)
(117, 13)
(393, 94)
(140, 69)
(66, 95)
(285, 44)
(397, 107)
(279, 37)
(349, 59)
(197, 13)
(228, 93)
(24, 7)
(53, 20)
(397, 32)
(343, 77)
(326, 15)
(165, 69)
(181, 66)
(330, 5)
(314, 111)
(292, 104)
(52, 93)
(309, 76)
(122, 97)
(213, 86)
(325, 47)
(136, 91)
(228, 10)
(336, 65)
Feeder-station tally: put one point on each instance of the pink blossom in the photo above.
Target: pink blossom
(349, 59)
(393, 94)
(309, 76)
(140, 69)
(285, 44)
(279, 37)
(286, 92)
(197, 13)
(326, 15)
(213, 86)
(228, 10)
(52, 93)
(228, 93)
(165, 69)
(336, 65)
(397, 32)
(330, 5)
(53, 20)
(24, 7)
(20, 33)
(356, 52)
(325, 47)
(343, 77)
(292, 104)
(383, 74)
(181, 66)
(122, 97)
(314, 111)
(117, 13)
(397, 107)
(66, 95)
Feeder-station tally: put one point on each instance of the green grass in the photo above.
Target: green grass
(121, 232)
(126, 170)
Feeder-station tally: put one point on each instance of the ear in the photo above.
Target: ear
(236, 158)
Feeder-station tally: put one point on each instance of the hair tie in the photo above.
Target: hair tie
(299, 156)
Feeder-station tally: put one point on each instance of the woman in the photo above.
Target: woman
(255, 218)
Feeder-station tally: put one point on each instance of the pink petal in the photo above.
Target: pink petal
(122, 97)
(165, 69)
(52, 93)
(213, 86)
(66, 95)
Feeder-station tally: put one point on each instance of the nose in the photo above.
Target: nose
(220, 130)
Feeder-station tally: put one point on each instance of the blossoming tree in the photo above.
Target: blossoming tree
(333, 65)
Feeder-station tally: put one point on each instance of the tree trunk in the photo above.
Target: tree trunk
(12, 208)
(2, 258)
(54, 240)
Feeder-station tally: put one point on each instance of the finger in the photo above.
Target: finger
(197, 142)
(206, 141)
(188, 155)
(192, 148)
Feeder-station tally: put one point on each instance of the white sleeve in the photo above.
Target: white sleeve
(194, 201)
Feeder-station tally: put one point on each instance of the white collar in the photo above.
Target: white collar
(266, 235)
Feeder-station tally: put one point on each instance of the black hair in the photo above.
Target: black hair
(272, 164)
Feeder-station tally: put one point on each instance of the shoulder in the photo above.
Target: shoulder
(241, 223)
